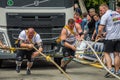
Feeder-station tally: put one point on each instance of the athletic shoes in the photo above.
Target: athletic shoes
(107, 75)
(18, 69)
(64, 69)
(28, 72)
(118, 74)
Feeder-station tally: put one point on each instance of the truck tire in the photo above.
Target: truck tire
(58, 60)
(1, 62)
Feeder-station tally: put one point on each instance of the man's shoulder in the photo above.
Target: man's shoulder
(23, 32)
(107, 13)
(105, 16)
(37, 35)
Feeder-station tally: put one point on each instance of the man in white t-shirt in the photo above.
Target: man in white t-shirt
(110, 20)
(27, 39)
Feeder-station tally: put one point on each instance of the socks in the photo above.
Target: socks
(18, 63)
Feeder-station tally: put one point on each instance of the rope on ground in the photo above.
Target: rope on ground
(83, 61)
(94, 64)
(49, 59)
(101, 61)
(86, 52)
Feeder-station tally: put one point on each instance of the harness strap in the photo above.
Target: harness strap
(26, 31)
(71, 30)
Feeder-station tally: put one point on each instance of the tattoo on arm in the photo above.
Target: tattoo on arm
(21, 41)
(40, 44)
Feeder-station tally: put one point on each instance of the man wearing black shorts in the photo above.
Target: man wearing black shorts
(111, 22)
(68, 41)
(27, 39)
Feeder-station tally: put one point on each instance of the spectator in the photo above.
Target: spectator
(118, 9)
(110, 21)
(77, 18)
(97, 19)
(91, 24)
(86, 29)
(76, 8)
(84, 20)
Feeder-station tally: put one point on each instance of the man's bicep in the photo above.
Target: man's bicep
(40, 44)
(63, 35)
(38, 39)
(22, 35)
(101, 27)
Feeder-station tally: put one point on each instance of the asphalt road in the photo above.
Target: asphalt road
(43, 70)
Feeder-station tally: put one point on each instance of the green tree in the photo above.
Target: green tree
(94, 4)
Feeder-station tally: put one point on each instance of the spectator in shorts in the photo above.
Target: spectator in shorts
(111, 22)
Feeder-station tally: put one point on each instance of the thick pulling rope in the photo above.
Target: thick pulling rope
(12, 49)
(94, 64)
(91, 45)
(83, 61)
(95, 42)
(101, 61)
(49, 59)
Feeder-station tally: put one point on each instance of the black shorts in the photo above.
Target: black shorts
(111, 46)
(67, 52)
(24, 53)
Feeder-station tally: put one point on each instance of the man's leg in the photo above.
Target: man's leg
(108, 60)
(109, 64)
(35, 54)
(30, 62)
(109, 48)
(67, 57)
(18, 66)
(64, 63)
(19, 59)
(116, 62)
(29, 65)
(117, 57)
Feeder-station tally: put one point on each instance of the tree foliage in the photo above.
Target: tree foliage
(94, 3)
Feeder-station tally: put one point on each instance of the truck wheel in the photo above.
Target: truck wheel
(58, 60)
(1, 62)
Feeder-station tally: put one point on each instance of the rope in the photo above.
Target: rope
(48, 58)
(101, 61)
(94, 64)
(95, 42)
(12, 49)
(88, 52)
(84, 51)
